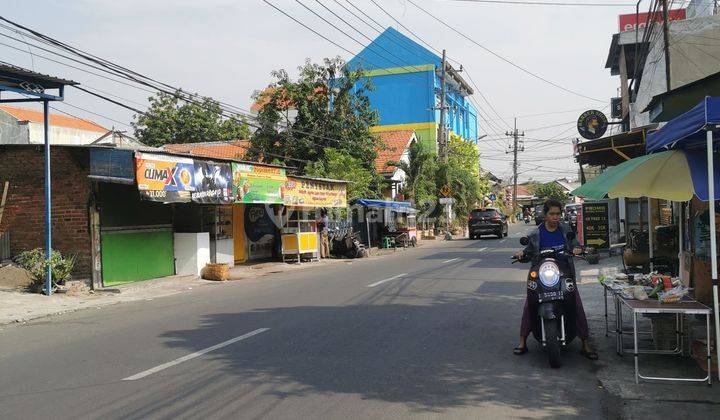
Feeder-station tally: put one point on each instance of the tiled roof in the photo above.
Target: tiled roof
(217, 149)
(395, 144)
(24, 114)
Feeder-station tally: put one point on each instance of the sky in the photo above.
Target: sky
(227, 49)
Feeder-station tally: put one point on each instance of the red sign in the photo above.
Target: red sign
(628, 22)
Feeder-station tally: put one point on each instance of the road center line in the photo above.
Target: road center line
(386, 280)
(450, 260)
(482, 249)
(193, 355)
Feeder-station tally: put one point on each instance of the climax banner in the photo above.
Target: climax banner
(257, 184)
(213, 183)
(302, 192)
(164, 178)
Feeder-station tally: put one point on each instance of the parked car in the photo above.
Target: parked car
(487, 221)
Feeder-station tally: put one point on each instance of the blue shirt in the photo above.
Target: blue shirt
(551, 240)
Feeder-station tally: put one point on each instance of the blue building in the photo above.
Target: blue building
(406, 77)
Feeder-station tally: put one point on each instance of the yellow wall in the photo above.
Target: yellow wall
(239, 233)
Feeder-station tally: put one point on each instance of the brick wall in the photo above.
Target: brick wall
(24, 215)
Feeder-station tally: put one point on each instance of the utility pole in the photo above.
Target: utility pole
(442, 132)
(516, 147)
(666, 37)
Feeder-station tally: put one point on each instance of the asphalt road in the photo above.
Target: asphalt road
(426, 333)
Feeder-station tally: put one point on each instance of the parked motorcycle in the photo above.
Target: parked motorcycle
(347, 245)
(551, 295)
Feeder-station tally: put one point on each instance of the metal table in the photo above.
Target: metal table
(619, 330)
(685, 307)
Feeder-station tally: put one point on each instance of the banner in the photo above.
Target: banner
(257, 184)
(596, 225)
(631, 21)
(301, 192)
(213, 183)
(164, 178)
(260, 231)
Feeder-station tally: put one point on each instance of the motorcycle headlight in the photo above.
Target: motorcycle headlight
(549, 274)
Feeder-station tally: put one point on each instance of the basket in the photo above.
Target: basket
(218, 272)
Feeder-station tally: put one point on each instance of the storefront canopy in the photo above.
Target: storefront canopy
(398, 206)
(687, 131)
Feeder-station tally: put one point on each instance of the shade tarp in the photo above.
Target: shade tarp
(686, 131)
(398, 206)
(598, 187)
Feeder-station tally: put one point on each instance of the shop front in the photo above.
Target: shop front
(385, 223)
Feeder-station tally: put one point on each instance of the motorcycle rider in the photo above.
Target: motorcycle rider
(552, 234)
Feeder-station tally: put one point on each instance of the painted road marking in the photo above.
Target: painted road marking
(450, 260)
(193, 355)
(386, 280)
(482, 249)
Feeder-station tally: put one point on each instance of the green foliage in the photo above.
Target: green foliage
(172, 120)
(420, 185)
(463, 170)
(548, 191)
(35, 263)
(338, 165)
(319, 125)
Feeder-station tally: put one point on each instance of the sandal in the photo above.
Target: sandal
(589, 354)
(519, 351)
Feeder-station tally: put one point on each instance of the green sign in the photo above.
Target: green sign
(258, 184)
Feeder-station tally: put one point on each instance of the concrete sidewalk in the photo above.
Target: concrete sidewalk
(617, 373)
(18, 306)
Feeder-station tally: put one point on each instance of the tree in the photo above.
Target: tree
(170, 119)
(339, 165)
(463, 170)
(549, 190)
(420, 185)
(341, 123)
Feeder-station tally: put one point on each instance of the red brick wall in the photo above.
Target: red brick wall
(24, 215)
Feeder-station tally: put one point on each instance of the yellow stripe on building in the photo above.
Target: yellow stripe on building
(397, 127)
(399, 70)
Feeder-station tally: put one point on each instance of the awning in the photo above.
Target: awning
(688, 128)
(615, 149)
(674, 175)
(397, 206)
(673, 103)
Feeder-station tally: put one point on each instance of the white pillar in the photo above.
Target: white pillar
(650, 233)
(713, 239)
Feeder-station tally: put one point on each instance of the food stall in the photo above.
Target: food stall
(303, 198)
(385, 223)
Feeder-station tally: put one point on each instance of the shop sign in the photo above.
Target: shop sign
(596, 225)
(302, 192)
(257, 184)
(112, 165)
(164, 178)
(631, 21)
(213, 183)
(260, 231)
(592, 124)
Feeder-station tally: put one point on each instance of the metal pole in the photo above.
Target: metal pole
(442, 138)
(713, 239)
(48, 201)
(666, 37)
(650, 234)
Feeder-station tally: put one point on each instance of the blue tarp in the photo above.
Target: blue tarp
(697, 161)
(687, 131)
(398, 206)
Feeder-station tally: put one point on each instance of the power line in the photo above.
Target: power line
(545, 3)
(523, 69)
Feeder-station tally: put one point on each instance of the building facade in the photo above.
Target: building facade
(406, 78)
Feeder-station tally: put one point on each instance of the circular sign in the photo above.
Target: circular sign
(592, 124)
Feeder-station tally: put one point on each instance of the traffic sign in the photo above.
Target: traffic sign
(447, 200)
(445, 190)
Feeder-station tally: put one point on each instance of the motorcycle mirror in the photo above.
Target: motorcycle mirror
(524, 241)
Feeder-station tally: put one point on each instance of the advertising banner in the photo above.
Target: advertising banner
(302, 192)
(631, 21)
(164, 178)
(260, 231)
(257, 184)
(596, 225)
(213, 183)
(112, 165)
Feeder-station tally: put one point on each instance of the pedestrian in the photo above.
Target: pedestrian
(323, 222)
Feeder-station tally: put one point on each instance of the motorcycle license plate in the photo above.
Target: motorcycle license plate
(557, 295)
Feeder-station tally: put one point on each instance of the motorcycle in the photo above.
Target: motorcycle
(347, 245)
(551, 295)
